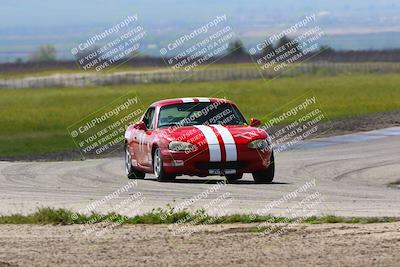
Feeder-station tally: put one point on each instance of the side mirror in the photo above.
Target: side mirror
(255, 122)
(140, 126)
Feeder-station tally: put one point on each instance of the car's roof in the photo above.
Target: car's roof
(172, 101)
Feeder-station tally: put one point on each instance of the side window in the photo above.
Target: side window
(148, 118)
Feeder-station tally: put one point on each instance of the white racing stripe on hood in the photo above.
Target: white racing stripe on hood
(229, 142)
(212, 142)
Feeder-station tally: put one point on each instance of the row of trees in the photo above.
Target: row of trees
(44, 53)
(236, 47)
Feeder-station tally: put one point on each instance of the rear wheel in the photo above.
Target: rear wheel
(233, 177)
(158, 168)
(131, 172)
(267, 175)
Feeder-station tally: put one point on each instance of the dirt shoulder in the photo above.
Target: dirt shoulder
(213, 245)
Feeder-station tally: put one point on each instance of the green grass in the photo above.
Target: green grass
(36, 120)
(170, 216)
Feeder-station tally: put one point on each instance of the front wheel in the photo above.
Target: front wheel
(131, 172)
(267, 175)
(158, 168)
(233, 177)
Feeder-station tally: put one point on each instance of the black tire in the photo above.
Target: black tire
(158, 168)
(131, 172)
(233, 177)
(266, 176)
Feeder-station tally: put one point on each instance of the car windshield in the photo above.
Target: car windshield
(197, 113)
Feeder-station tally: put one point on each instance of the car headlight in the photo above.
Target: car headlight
(258, 144)
(181, 146)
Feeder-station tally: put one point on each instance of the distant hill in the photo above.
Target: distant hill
(356, 24)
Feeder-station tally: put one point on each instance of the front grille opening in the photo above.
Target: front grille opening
(221, 165)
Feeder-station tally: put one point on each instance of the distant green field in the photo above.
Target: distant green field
(36, 120)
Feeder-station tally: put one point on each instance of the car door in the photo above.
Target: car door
(144, 139)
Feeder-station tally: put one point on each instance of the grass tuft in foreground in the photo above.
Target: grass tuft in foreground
(170, 216)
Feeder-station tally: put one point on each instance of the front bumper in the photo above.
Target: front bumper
(197, 163)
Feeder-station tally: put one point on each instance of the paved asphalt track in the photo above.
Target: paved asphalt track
(355, 175)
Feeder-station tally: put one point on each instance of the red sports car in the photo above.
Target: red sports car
(197, 136)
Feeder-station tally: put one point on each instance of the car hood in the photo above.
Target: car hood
(229, 134)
